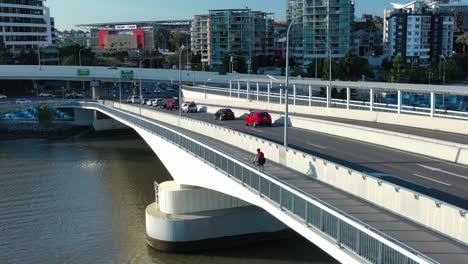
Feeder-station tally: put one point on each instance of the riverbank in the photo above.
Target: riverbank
(25, 130)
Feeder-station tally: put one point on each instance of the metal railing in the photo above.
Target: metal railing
(343, 229)
(307, 100)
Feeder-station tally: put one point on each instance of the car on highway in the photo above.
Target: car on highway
(157, 91)
(158, 102)
(46, 95)
(169, 89)
(224, 114)
(144, 101)
(189, 107)
(2, 96)
(23, 101)
(135, 99)
(258, 118)
(171, 104)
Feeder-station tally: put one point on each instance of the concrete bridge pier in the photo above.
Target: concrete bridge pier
(187, 218)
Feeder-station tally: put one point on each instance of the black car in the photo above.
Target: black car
(224, 114)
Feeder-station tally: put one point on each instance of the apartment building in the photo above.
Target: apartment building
(419, 34)
(323, 26)
(230, 31)
(25, 24)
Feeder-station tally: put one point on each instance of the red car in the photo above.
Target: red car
(258, 118)
(171, 104)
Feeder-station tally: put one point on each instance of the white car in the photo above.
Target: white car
(23, 101)
(157, 102)
(46, 95)
(189, 107)
(135, 99)
(2, 96)
(150, 102)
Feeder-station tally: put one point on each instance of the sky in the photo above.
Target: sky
(69, 13)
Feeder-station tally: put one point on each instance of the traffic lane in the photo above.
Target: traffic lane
(391, 165)
(427, 133)
(419, 173)
(434, 134)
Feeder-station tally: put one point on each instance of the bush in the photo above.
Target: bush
(45, 115)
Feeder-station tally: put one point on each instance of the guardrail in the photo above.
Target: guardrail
(310, 100)
(345, 230)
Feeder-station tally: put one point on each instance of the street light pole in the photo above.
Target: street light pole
(180, 80)
(286, 105)
(141, 81)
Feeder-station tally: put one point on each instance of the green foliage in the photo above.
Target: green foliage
(6, 57)
(69, 55)
(226, 62)
(298, 72)
(45, 115)
(398, 73)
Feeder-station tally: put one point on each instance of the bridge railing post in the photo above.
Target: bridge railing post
(310, 95)
(230, 88)
(248, 91)
(433, 102)
(294, 94)
(400, 101)
(328, 96)
(281, 96)
(348, 98)
(371, 99)
(258, 91)
(269, 92)
(238, 89)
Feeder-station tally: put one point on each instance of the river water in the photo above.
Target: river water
(83, 201)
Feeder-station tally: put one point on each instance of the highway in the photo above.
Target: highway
(439, 179)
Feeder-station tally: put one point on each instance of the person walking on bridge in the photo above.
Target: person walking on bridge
(259, 159)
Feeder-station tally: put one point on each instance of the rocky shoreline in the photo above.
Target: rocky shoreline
(23, 130)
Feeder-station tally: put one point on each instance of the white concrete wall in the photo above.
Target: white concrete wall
(177, 199)
(426, 122)
(202, 226)
(444, 218)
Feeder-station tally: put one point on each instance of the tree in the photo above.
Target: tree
(70, 55)
(241, 63)
(226, 63)
(463, 40)
(345, 67)
(45, 115)
(397, 73)
(6, 57)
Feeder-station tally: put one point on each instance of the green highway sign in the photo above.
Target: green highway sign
(126, 75)
(83, 72)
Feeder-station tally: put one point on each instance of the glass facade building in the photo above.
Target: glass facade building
(25, 24)
(326, 24)
(232, 31)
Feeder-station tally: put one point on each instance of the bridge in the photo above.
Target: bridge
(340, 194)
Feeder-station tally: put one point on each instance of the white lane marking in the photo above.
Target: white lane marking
(256, 129)
(442, 171)
(318, 146)
(427, 178)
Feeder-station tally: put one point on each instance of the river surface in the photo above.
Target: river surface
(83, 201)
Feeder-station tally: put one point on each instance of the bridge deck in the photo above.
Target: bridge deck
(421, 132)
(422, 239)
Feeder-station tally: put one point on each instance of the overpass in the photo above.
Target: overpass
(349, 228)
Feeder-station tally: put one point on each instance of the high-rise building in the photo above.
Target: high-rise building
(418, 33)
(25, 25)
(325, 26)
(230, 31)
(459, 8)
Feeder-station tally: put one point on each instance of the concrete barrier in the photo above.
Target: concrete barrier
(441, 217)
